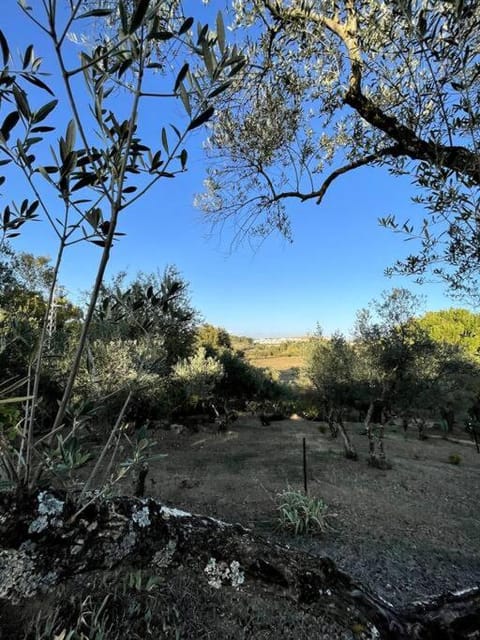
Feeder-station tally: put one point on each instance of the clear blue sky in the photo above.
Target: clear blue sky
(333, 268)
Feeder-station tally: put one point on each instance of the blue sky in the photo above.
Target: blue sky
(334, 267)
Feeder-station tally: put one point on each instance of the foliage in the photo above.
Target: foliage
(458, 327)
(331, 367)
(389, 344)
(213, 338)
(245, 381)
(97, 164)
(152, 306)
(112, 368)
(300, 513)
(24, 287)
(337, 85)
(198, 376)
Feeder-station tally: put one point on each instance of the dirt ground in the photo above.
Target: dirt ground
(408, 532)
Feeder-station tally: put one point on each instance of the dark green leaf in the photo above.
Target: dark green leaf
(129, 189)
(185, 26)
(138, 15)
(160, 35)
(165, 140)
(70, 137)
(5, 49)
(220, 32)
(156, 161)
(27, 58)
(185, 99)
(179, 135)
(236, 68)
(123, 16)
(201, 36)
(96, 13)
(38, 83)
(32, 208)
(86, 181)
(44, 111)
(32, 140)
(21, 100)
(183, 158)
(219, 89)
(42, 129)
(201, 119)
(8, 124)
(181, 75)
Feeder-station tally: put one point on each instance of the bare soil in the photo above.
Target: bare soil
(408, 532)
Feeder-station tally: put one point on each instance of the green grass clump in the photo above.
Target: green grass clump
(300, 513)
(454, 458)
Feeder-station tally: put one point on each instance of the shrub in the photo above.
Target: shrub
(112, 368)
(300, 513)
(196, 377)
(454, 458)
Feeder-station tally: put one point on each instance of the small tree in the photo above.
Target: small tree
(198, 376)
(387, 342)
(331, 369)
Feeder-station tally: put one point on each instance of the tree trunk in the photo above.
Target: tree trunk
(332, 423)
(43, 542)
(350, 451)
(376, 449)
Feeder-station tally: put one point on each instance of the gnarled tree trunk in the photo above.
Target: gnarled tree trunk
(44, 541)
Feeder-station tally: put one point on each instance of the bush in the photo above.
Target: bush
(300, 513)
(113, 368)
(244, 381)
(454, 458)
(195, 378)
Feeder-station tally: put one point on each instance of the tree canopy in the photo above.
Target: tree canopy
(335, 85)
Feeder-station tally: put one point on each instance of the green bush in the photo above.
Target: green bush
(300, 513)
(113, 368)
(454, 458)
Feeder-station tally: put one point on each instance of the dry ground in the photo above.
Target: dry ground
(407, 532)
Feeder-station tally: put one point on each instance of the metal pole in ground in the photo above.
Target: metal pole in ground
(305, 482)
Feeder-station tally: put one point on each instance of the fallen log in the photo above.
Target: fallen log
(47, 538)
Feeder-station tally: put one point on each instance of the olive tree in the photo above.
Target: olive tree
(331, 366)
(335, 85)
(98, 163)
(388, 343)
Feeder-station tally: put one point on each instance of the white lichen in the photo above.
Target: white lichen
(141, 517)
(50, 511)
(19, 577)
(164, 557)
(221, 573)
(167, 512)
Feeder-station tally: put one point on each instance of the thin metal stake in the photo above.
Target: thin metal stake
(305, 483)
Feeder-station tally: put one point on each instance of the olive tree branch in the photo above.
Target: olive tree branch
(393, 151)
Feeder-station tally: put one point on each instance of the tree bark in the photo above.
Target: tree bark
(350, 451)
(41, 537)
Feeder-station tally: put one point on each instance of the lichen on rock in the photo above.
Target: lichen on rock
(50, 511)
(220, 573)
